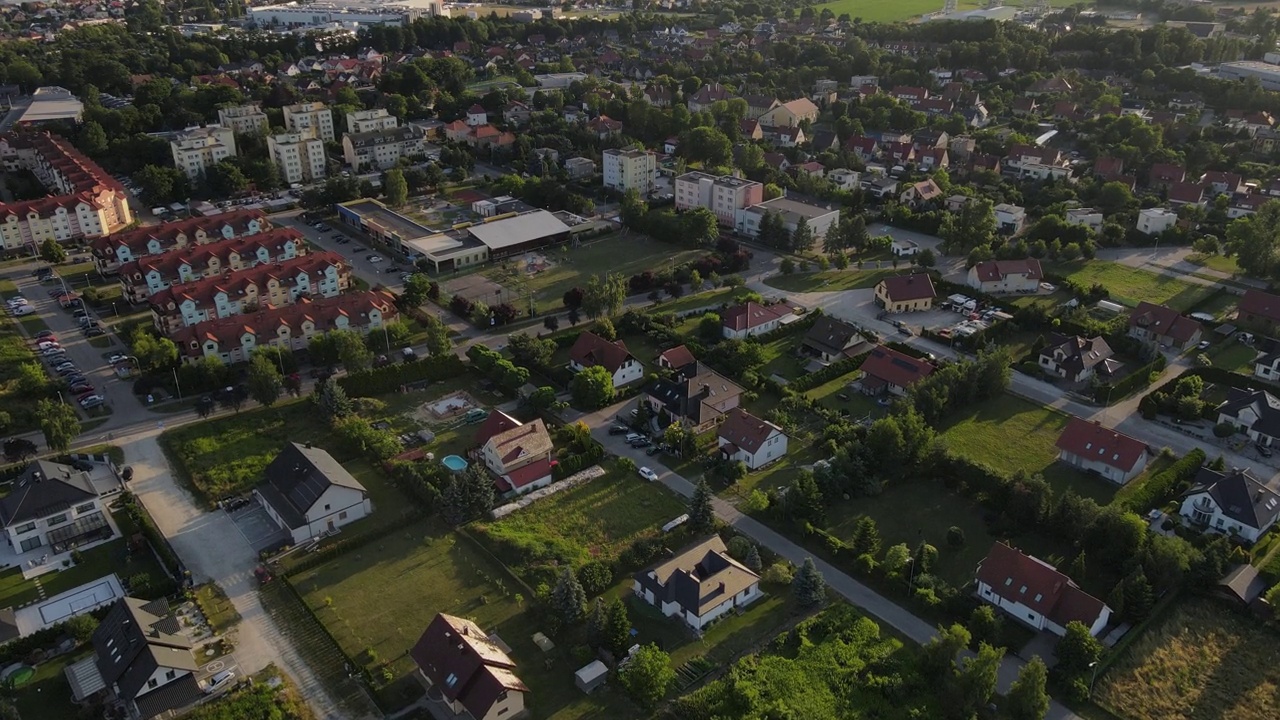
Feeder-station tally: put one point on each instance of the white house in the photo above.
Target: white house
(1234, 503)
(477, 116)
(1153, 221)
(1254, 412)
(518, 454)
(1090, 447)
(751, 318)
(308, 493)
(1010, 219)
(591, 350)
(51, 505)
(1036, 594)
(1006, 276)
(1267, 367)
(699, 585)
(1075, 359)
(845, 179)
(1088, 217)
(754, 441)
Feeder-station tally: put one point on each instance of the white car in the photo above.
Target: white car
(375, 259)
(116, 358)
(89, 401)
(219, 681)
(648, 474)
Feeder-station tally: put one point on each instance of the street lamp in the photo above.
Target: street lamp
(1093, 677)
(911, 578)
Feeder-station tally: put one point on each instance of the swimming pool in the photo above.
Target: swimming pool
(454, 463)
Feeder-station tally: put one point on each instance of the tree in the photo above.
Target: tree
(974, 226)
(617, 628)
(438, 340)
(153, 353)
(647, 676)
(568, 598)
(976, 682)
(531, 351)
(702, 517)
(605, 329)
(710, 327)
(938, 656)
(803, 501)
(354, 355)
(453, 502)
(59, 423)
(1253, 240)
(707, 145)
(984, 625)
(265, 383)
(802, 237)
(808, 586)
(752, 560)
(478, 487)
(592, 388)
(1027, 698)
(866, 537)
(52, 252)
(1077, 651)
(225, 179)
(597, 620)
(31, 380)
(93, 139)
(416, 290)
(603, 296)
(395, 188)
(162, 185)
(333, 401)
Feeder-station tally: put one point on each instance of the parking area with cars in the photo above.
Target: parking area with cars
(374, 267)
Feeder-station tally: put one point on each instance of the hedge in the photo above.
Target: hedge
(1108, 393)
(138, 514)
(1158, 490)
(826, 374)
(1218, 376)
(390, 378)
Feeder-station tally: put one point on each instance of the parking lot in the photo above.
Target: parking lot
(258, 528)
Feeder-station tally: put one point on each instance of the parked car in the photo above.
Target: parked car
(374, 259)
(1203, 345)
(81, 388)
(219, 681)
(94, 331)
(648, 474)
(89, 401)
(1263, 450)
(633, 437)
(46, 335)
(637, 444)
(619, 430)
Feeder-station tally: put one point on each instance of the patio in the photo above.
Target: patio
(83, 533)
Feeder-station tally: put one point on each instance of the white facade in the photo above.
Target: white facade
(337, 506)
(697, 622)
(774, 447)
(631, 371)
(1034, 618)
(630, 170)
(198, 149)
(1119, 476)
(310, 116)
(1087, 217)
(244, 119)
(363, 121)
(845, 179)
(1153, 221)
(382, 149)
(300, 157)
(32, 534)
(1202, 509)
(1010, 218)
(820, 219)
(1267, 368)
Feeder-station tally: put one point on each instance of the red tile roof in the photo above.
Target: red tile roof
(590, 350)
(1090, 441)
(167, 233)
(1038, 585)
(677, 357)
(198, 256)
(1166, 173)
(234, 283)
(894, 367)
(996, 270)
(903, 288)
(524, 475)
(496, 422)
(265, 323)
(1165, 321)
(87, 182)
(463, 664)
(1260, 304)
(746, 431)
(1185, 192)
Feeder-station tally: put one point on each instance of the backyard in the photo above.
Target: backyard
(1200, 662)
(1129, 286)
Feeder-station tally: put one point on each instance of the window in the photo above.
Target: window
(451, 680)
(326, 507)
(342, 515)
(57, 519)
(87, 507)
(152, 683)
(31, 543)
(171, 675)
(28, 527)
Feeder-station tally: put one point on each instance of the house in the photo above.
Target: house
(696, 394)
(1006, 276)
(591, 350)
(749, 439)
(1254, 412)
(906, 293)
(51, 505)
(830, 339)
(676, 358)
(309, 494)
(844, 179)
(1034, 592)
(1185, 193)
(1010, 219)
(698, 585)
(1088, 217)
(1095, 449)
(1049, 86)
(918, 194)
(469, 669)
(1267, 367)
(141, 659)
(1234, 503)
(518, 455)
(887, 369)
(789, 114)
(1076, 358)
(1153, 221)
(1222, 183)
(1162, 175)
(751, 318)
(1259, 308)
(1163, 326)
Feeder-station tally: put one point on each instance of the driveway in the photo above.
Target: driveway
(258, 529)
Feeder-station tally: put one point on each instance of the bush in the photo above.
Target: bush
(779, 573)
(595, 578)
(1223, 430)
(955, 536)
(1157, 490)
(390, 378)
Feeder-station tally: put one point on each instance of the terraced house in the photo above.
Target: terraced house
(116, 249)
(145, 277)
(323, 274)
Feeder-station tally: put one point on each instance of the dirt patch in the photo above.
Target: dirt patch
(445, 408)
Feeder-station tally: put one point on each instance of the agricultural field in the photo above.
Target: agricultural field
(1129, 286)
(1200, 662)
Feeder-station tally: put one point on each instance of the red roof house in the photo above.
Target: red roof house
(1093, 448)
(472, 672)
(888, 369)
(1035, 593)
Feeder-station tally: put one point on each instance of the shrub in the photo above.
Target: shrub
(779, 573)
(595, 578)
(1223, 430)
(955, 536)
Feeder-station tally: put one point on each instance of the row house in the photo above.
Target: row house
(114, 250)
(149, 275)
(291, 327)
(322, 274)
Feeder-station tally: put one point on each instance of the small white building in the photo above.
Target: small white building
(308, 493)
(1010, 219)
(751, 318)
(1153, 221)
(1006, 276)
(699, 585)
(1036, 594)
(747, 438)
(845, 179)
(1233, 503)
(1087, 217)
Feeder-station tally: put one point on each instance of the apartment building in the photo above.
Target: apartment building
(298, 155)
(381, 149)
(310, 116)
(723, 196)
(195, 150)
(819, 218)
(112, 251)
(630, 170)
(244, 119)
(365, 121)
(85, 201)
(148, 275)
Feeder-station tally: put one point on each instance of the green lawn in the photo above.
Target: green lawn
(832, 280)
(1129, 286)
(48, 694)
(594, 521)
(217, 608)
(1220, 263)
(854, 403)
(1233, 356)
(1009, 434)
(725, 639)
(708, 299)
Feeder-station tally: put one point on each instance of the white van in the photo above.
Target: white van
(21, 310)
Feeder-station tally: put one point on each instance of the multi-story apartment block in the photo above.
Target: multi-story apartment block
(85, 201)
(299, 156)
(364, 121)
(235, 292)
(723, 196)
(195, 150)
(310, 116)
(292, 326)
(151, 274)
(112, 251)
(381, 149)
(630, 170)
(244, 119)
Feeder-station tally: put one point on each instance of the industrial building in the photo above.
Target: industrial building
(1267, 75)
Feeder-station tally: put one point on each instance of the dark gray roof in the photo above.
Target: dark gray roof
(831, 336)
(683, 395)
(43, 489)
(8, 625)
(172, 696)
(1263, 403)
(1240, 496)
(296, 479)
(134, 639)
(1244, 583)
(701, 577)
(1076, 353)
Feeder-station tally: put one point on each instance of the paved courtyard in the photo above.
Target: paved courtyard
(259, 530)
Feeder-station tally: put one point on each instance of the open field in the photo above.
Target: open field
(1221, 263)
(595, 521)
(707, 299)
(1010, 434)
(888, 11)
(1201, 662)
(831, 280)
(1129, 286)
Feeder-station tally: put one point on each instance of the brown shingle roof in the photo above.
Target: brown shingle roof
(751, 314)
(746, 431)
(903, 288)
(1261, 304)
(1165, 321)
(590, 350)
(995, 270)
(894, 367)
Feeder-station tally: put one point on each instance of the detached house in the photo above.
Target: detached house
(747, 438)
(906, 293)
(921, 193)
(1095, 449)
(309, 494)
(1267, 367)
(699, 585)
(1076, 359)
(886, 369)
(591, 350)
(469, 669)
(1234, 503)
(1036, 594)
(830, 339)
(53, 506)
(751, 318)
(1163, 326)
(1259, 308)
(1006, 276)
(696, 395)
(1253, 412)
(518, 455)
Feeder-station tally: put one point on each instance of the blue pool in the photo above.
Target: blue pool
(454, 463)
